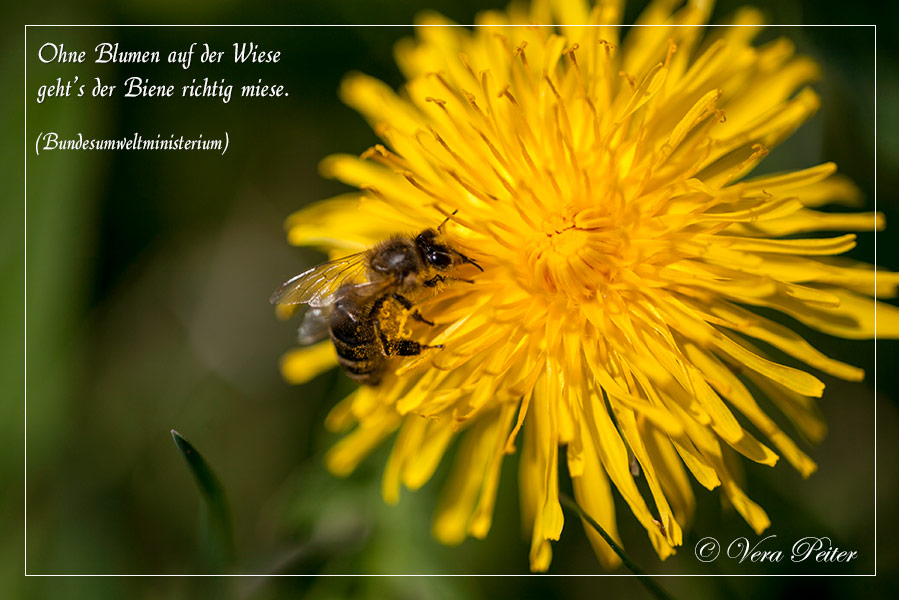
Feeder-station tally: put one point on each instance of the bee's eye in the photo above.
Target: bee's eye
(440, 258)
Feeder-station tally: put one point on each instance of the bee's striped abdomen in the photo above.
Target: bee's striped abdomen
(356, 341)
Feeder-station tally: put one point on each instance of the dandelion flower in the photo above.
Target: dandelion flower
(602, 183)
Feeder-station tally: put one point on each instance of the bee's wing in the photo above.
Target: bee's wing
(315, 323)
(316, 286)
(314, 326)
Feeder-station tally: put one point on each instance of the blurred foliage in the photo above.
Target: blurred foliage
(147, 280)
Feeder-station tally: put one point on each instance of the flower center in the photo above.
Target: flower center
(562, 259)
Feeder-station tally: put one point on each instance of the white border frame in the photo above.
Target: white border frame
(25, 356)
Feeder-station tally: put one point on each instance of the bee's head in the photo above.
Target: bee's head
(437, 254)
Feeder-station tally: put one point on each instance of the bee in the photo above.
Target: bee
(346, 297)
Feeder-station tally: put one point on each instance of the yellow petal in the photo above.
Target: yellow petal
(593, 494)
(729, 386)
(627, 423)
(794, 379)
(408, 441)
(482, 518)
(344, 457)
(302, 364)
(785, 339)
(613, 455)
(671, 473)
(474, 459)
(436, 439)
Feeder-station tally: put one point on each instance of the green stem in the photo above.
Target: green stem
(651, 586)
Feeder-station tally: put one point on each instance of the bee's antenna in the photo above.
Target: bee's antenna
(443, 224)
(470, 261)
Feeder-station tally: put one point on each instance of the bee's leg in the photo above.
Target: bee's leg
(408, 347)
(433, 281)
(385, 343)
(405, 348)
(400, 347)
(375, 307)
(407, 304)
(376, 323)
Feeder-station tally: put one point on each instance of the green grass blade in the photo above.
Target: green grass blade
(219, 536)
(651, 586)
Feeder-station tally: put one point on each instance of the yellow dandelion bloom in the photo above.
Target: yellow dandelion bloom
(602, 185)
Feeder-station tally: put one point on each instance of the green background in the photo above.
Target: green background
(147, 283)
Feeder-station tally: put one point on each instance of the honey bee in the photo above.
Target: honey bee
(346, 297)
